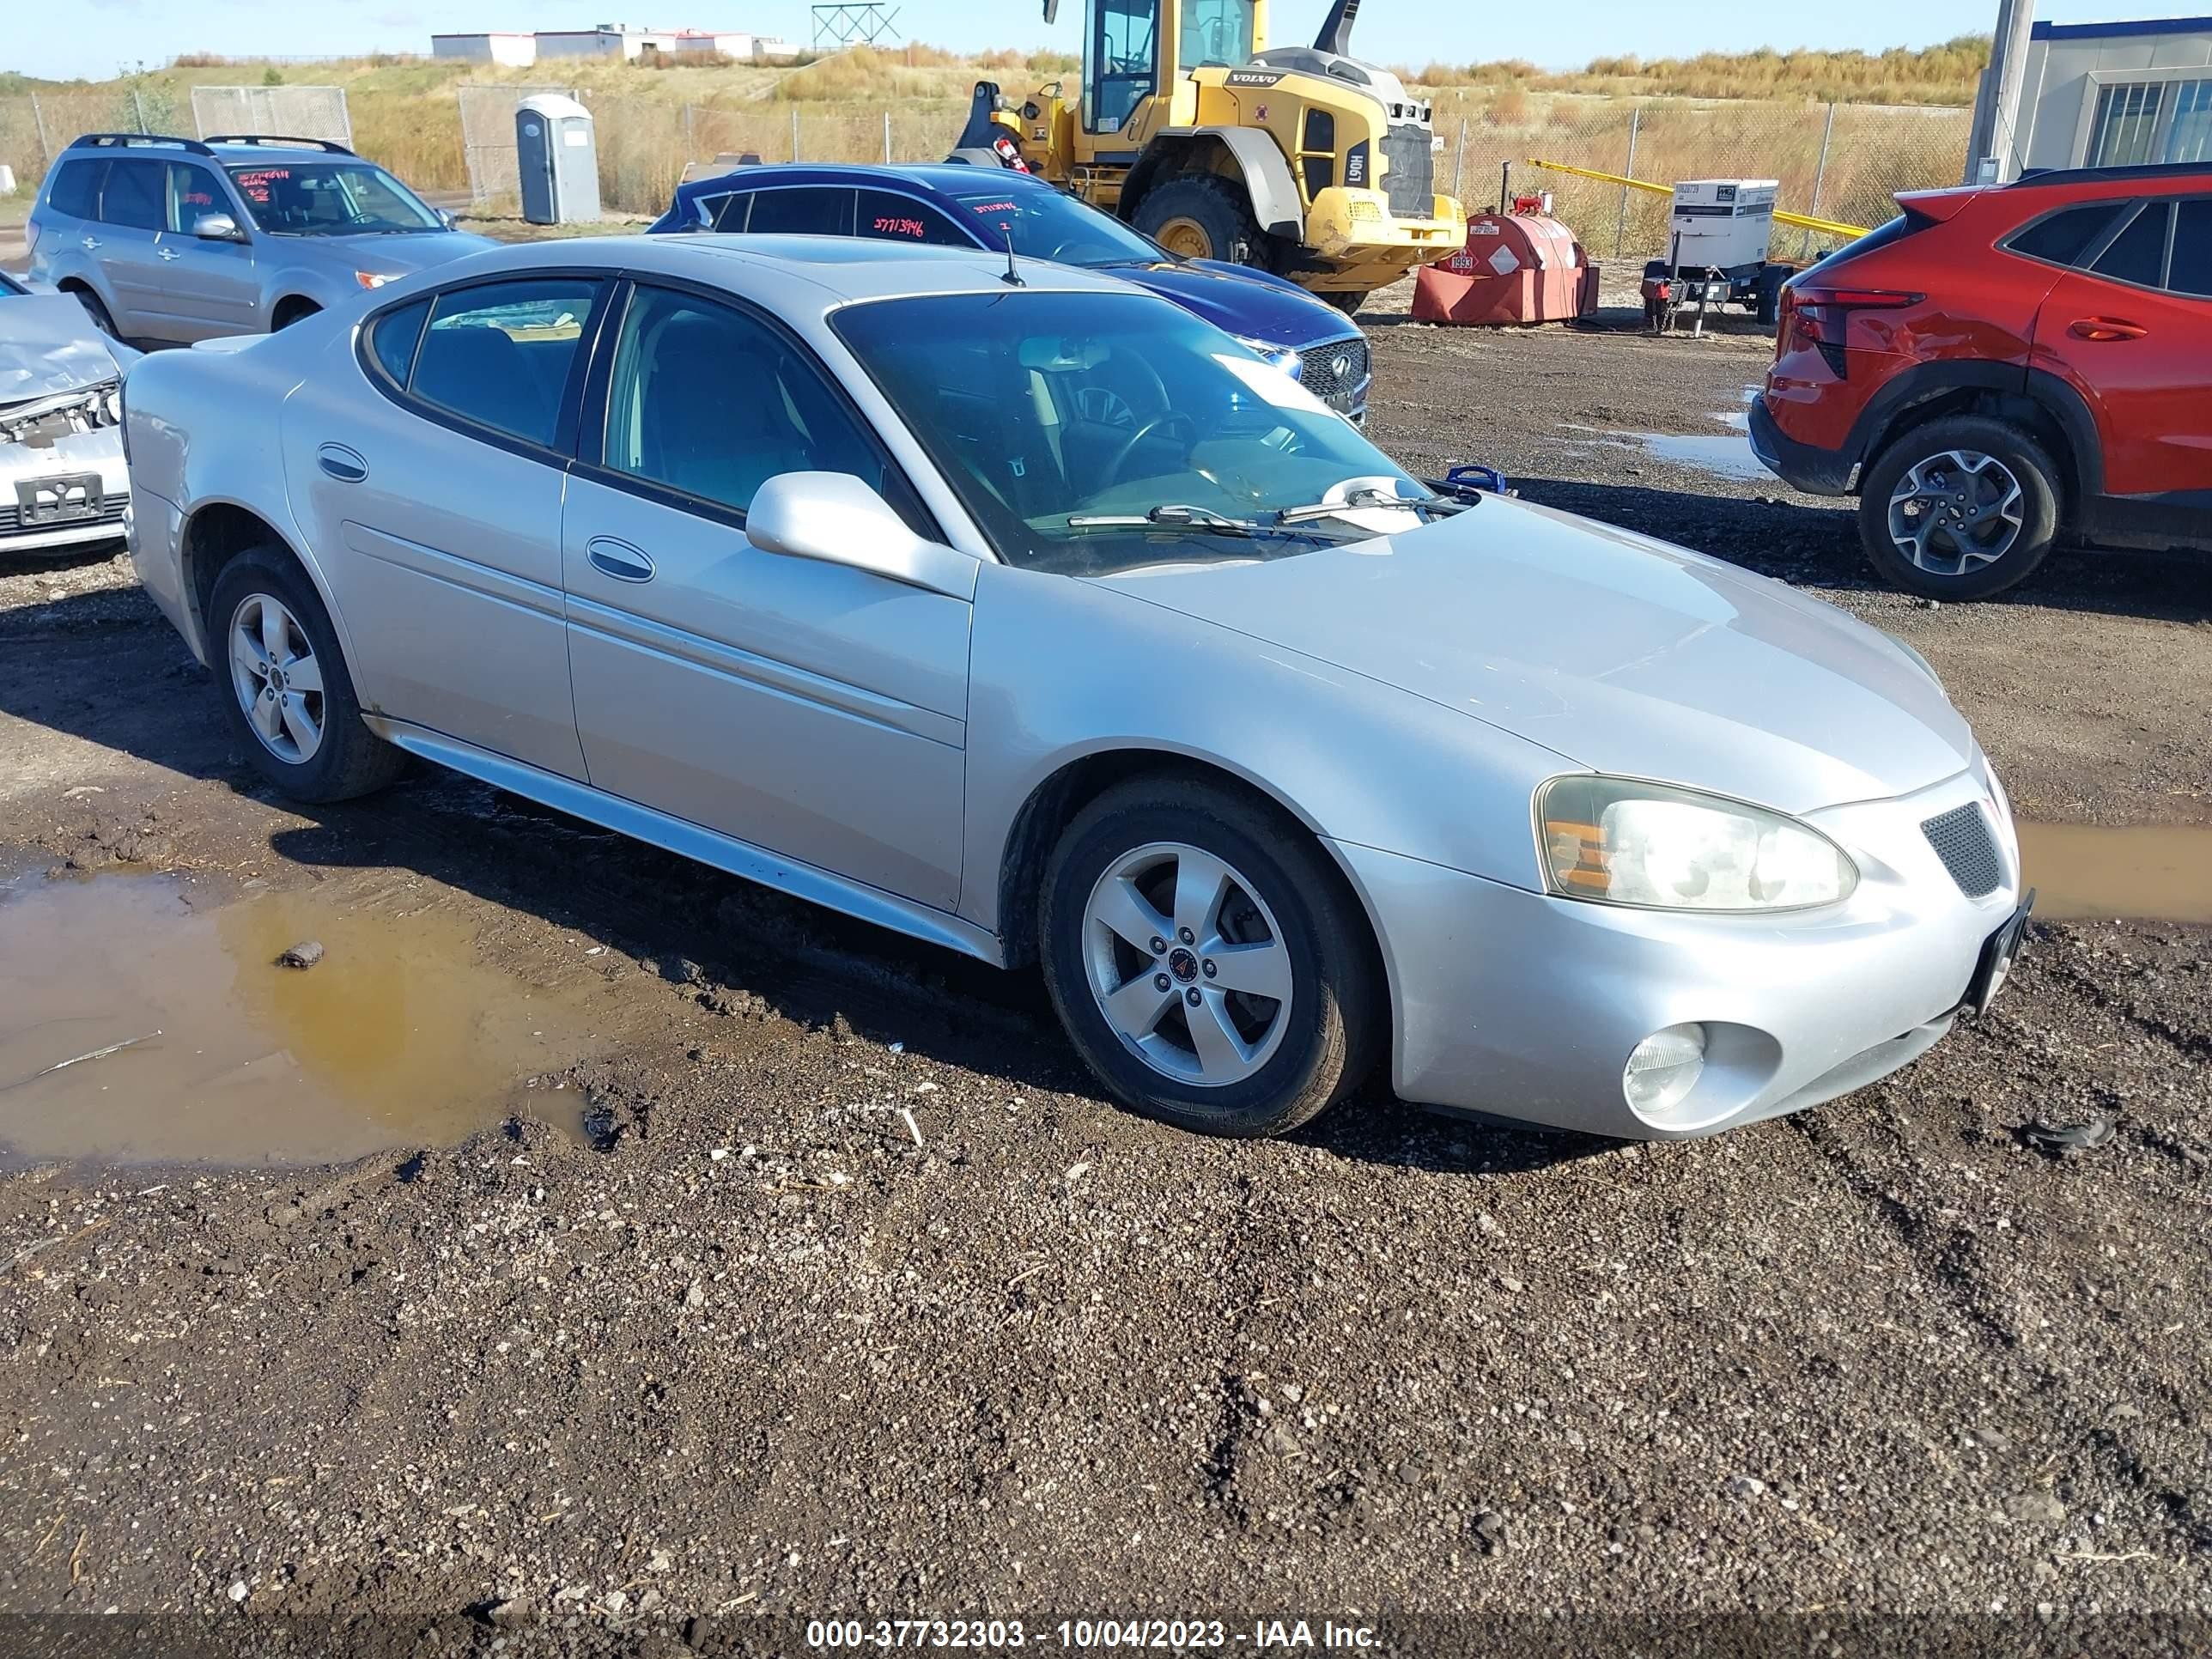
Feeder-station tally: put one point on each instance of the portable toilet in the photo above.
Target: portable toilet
(559, 160)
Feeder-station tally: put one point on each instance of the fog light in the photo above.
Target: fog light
(1662, 1068)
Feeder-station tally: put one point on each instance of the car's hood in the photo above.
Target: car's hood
(399, 253)
(1619, 652)
(48, 344)
(1244, 302)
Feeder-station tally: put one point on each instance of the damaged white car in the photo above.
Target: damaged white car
(63, 484)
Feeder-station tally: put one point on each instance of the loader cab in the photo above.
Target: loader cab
(1134, 49)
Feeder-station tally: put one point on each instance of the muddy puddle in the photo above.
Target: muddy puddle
(1725, 453)
(2159, 872)
(139, 1023)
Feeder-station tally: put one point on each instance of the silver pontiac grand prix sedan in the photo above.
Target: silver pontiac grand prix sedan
(1025, 613)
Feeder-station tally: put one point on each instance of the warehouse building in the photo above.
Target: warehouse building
(2117, 95)
(512, 50)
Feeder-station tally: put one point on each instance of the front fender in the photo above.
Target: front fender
(1064, 669)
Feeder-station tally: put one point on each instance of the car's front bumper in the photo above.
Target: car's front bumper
(99, 453)
(1523, 1005)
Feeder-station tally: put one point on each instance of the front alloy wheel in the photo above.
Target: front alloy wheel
(1207, 959)
(1188, 964)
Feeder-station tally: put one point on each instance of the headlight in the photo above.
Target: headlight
(1619, 841)
(374, 279)
(1275, 356)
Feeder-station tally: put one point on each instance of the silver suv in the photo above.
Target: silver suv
(174, 239)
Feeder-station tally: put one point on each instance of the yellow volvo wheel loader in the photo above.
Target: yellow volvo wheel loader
(1299, 160)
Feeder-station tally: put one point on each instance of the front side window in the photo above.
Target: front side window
(1088, 432)
(1044, 224)
(75, 189)
(1123, 66)
(329, 198)
(500, 354)
(193, 194)
(1216, 32)
(887, 216)
(801, 212)
(134, 195)
(709, 401)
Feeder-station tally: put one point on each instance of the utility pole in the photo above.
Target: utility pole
(1992, 148)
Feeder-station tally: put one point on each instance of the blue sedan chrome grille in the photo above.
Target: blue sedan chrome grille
(1962, 838)
(1338, 387)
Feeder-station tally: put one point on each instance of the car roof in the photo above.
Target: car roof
(938, 178)
(275, 155)
(842, 269)
(2153, 173)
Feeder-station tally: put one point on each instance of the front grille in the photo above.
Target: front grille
(1962, 838)
(1338, 388)
(1409, 151)
(11, 517)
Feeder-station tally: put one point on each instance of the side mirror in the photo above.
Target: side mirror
(217, 227)
(446, 218)
(836, 519)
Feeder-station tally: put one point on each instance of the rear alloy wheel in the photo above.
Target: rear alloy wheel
(1207, 959)
(1201, 216)
(286, 690)
(1960, 508)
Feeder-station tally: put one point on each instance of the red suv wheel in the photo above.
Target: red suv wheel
(1959, 509)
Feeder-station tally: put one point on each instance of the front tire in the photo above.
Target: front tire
(1207, 959)
(1961, 507)
(1202, 216)
(285, 687)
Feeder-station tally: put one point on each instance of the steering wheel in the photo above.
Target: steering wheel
(1157, 423)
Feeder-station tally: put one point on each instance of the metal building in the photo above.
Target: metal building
(2114, 94)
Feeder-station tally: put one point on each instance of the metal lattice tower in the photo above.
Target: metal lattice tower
(854, 25)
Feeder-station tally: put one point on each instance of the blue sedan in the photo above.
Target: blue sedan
(956, 206)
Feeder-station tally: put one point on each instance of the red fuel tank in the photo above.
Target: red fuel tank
(1515, 268)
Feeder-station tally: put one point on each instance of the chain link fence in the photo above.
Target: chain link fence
(1840, 162)
(285, 112)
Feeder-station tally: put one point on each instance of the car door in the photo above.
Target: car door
(2132, 334)
(809, 709)
(429, 465)
(131, 216)
(214, 289)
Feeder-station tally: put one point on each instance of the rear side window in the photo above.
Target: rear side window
(76, 189)
(393, 337)
(884, 215)
(2064, 237)
(731, 213)
(134, 196)
(802, 213)
(2192, 248)
(500, 354)
(2138, 253)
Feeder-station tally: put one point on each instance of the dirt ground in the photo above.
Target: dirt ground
(752, 1345)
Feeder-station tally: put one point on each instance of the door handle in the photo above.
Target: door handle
(167, 252)
(341, 464)
(88, 242)
(619, 559)
(2103, 329)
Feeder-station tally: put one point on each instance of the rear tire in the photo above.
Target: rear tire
(96, 308)
(1961, 507)
(1202, 216)
(1263, 906)
(309, 743)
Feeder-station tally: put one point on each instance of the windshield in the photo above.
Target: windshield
(1049, 413)
(330, 198)
(1216, 32)
(1046, 225)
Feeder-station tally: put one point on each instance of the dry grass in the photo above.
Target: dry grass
(1945, 74)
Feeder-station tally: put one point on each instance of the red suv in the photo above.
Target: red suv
(2002, 366)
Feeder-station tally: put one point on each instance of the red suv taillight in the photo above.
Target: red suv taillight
(1818, 316)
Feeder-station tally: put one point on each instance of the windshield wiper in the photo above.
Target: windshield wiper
(1368, 496)
(1172, 513)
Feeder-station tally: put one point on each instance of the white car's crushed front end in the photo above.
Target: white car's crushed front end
(63, 483)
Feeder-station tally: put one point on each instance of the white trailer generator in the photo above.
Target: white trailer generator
(1716, 244)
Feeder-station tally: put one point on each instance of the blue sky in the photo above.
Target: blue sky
(94, 38)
